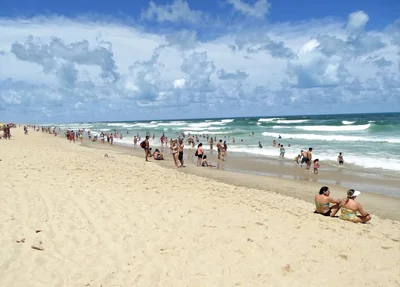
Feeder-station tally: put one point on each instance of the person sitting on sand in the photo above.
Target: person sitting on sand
(349, 208)
(204, 162)
(297, 159)
(322, 201)
(157, 155)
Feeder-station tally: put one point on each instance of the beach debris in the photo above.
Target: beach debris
(287, 269)
(22, 240)
(38, 246)
(344, 257)
(106, 155)
(38, 230)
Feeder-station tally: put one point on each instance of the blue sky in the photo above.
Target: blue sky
(118, 60)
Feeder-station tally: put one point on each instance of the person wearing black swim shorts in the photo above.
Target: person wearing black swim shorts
(180, 153)
(340, 158)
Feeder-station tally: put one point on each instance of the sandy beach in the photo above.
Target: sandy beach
(120, 221)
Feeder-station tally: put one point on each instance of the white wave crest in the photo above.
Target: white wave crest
(291, 121)
(227, 121)
(334, 128)
(316, 137)
(347, 122)
(262, 120)
(201, 129)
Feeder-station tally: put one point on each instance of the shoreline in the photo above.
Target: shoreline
(249, 172)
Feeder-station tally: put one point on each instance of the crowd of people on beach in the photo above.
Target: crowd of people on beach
(350, 209)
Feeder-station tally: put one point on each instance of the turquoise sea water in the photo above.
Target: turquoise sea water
(366, 140)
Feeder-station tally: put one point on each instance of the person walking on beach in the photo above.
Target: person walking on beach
(350, 208)
(316, 166)
(147, 148)
(71, 136)
(219, 148)
(340, 158)
(282, 151)
(174, 151)
(180, 154)
(308, 159)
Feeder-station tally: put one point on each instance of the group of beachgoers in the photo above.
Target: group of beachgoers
(177, 148)
(6, 132)
(349, 208)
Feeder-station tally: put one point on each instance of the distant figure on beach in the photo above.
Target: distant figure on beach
(180, 152)
(340, 158)
(279, 137)
(316, 166)
(233, 139)
(297, 159)
(71, 136)
(274, 143)
(322, 201)
(147, 150)
(199, 153)
(303, 157)
(308, 159)
(204, 162)
(259, 144)
(282, 151)
(350, 208)
(211, 143)
(157, 155)
(219, 148)
(175, 151)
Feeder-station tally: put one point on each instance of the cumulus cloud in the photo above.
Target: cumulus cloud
(259, 9)
(198, 69)
(178, 11)
(357, 21)
(260, 42)
(238, 75)
(179, 83)
(61, 58)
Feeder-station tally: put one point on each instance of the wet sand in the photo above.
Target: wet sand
(255, 172)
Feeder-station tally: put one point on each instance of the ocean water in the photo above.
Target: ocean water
(370, 141)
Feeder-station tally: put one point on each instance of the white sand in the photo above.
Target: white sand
(123, 222)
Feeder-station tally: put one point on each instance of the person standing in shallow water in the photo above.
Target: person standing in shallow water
(308, 159)
(340, 158)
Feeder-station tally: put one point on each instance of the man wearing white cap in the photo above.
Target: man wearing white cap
(350, 208)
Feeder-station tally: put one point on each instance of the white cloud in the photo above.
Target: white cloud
(258, 9)
(63, 69)
(357, 21)
(178, 11)
(179, 84)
